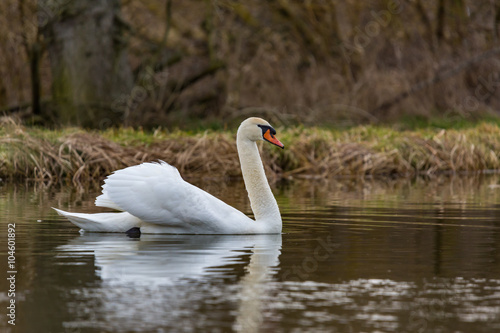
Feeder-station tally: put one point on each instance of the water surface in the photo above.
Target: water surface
(374, 256)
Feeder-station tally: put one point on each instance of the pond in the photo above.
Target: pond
(355, 256)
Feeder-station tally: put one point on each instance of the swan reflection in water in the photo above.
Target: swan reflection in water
(159, 278)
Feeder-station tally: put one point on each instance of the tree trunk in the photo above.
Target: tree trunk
(90, 69)
(33, 53)
(36, 86)
(427, 24)
(496, 24)
(441, 11)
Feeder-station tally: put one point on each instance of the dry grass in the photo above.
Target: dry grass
(81, 157)
(78, 156)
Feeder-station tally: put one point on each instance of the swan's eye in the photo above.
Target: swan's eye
(268, 134)
(266, 128)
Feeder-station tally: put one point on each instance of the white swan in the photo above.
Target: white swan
(155, 198)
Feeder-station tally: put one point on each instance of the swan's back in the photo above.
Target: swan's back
(158, 196)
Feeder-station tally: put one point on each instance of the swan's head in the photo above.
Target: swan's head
(257, 129)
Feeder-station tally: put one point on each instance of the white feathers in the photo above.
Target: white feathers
(102, 222)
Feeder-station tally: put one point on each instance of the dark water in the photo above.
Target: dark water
(393, 256)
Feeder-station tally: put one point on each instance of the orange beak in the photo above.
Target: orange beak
(271, 138)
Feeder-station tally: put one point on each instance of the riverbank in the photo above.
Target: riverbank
(77, 156)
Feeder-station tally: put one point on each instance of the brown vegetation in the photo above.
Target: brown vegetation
(82, 157)
(309, 62)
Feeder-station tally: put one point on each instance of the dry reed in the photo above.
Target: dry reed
(79, 157)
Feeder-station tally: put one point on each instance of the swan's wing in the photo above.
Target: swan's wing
(156, 193)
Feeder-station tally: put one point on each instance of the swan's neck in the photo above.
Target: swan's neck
(261, 197)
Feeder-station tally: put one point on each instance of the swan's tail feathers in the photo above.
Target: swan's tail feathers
(102, 222)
